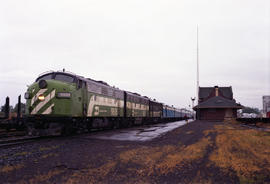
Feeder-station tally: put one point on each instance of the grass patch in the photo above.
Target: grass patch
(48, 148)
(49, 155)
(92, 174)
(9, 168)
(45, 177)
(247, 152)
(163, 160)
(22, 153)
(144, 163)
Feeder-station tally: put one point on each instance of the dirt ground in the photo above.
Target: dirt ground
(198, 152)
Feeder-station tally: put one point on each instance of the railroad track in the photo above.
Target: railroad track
(17, 141)
(6, 134)
(14, 141)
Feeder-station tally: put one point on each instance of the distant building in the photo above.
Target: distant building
(266, 106)
(216, 103)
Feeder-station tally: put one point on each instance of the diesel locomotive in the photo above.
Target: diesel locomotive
(62, 103)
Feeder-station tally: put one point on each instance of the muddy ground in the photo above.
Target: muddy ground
(198, 152)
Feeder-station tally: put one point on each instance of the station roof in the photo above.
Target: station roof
(218, 102)
(204, 92)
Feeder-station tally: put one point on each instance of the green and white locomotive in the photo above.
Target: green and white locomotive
(62, 102)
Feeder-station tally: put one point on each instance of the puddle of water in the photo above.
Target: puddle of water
(141, 133)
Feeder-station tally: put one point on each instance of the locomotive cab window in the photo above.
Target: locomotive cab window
(45, 77)
(81, 84)
(64, 78)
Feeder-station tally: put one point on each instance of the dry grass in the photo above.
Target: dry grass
(184, 155)
(22, 153)
(190, 132)
(92, 174)
(45, 177)
(163, 160)
(48, 148)
(232, 121)
(247, 152)
(49, 155)
(9, 168)
(144, 162)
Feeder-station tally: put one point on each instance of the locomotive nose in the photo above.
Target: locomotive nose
(42, 84)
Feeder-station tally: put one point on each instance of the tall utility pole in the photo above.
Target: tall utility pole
(198, 84)
(198, 64)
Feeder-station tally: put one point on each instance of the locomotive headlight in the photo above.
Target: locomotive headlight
(27, 95)
(63, 95)
(41, 97)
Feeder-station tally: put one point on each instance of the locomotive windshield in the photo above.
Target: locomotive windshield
(64, 78)
(57, 76)
(45, 77)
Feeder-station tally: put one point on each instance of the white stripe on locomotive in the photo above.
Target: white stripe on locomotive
(103, 101)
(109, 102)
(48, 110)
(41, 91)
(42, 103)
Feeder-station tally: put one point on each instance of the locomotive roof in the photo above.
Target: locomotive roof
(76, 76)
(99, 82)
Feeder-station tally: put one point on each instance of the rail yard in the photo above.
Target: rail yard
(135, 92)
(79, 130)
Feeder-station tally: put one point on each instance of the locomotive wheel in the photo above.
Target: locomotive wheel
(68, 130)
(117, 124)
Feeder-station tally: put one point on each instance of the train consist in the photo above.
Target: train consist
(62, 102)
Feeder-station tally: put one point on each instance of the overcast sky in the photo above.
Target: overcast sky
(145, 46)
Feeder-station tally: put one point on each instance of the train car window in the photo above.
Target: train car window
(114, 94)
(89, 87)
(45, 77)
(136, 99)
(64, 78)
(128, 98)
(110, 92)
(97, 89)
(119, 95)
(79, 84)
(84, 84)
(104, 91)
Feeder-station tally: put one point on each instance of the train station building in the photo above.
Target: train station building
(216, 103)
